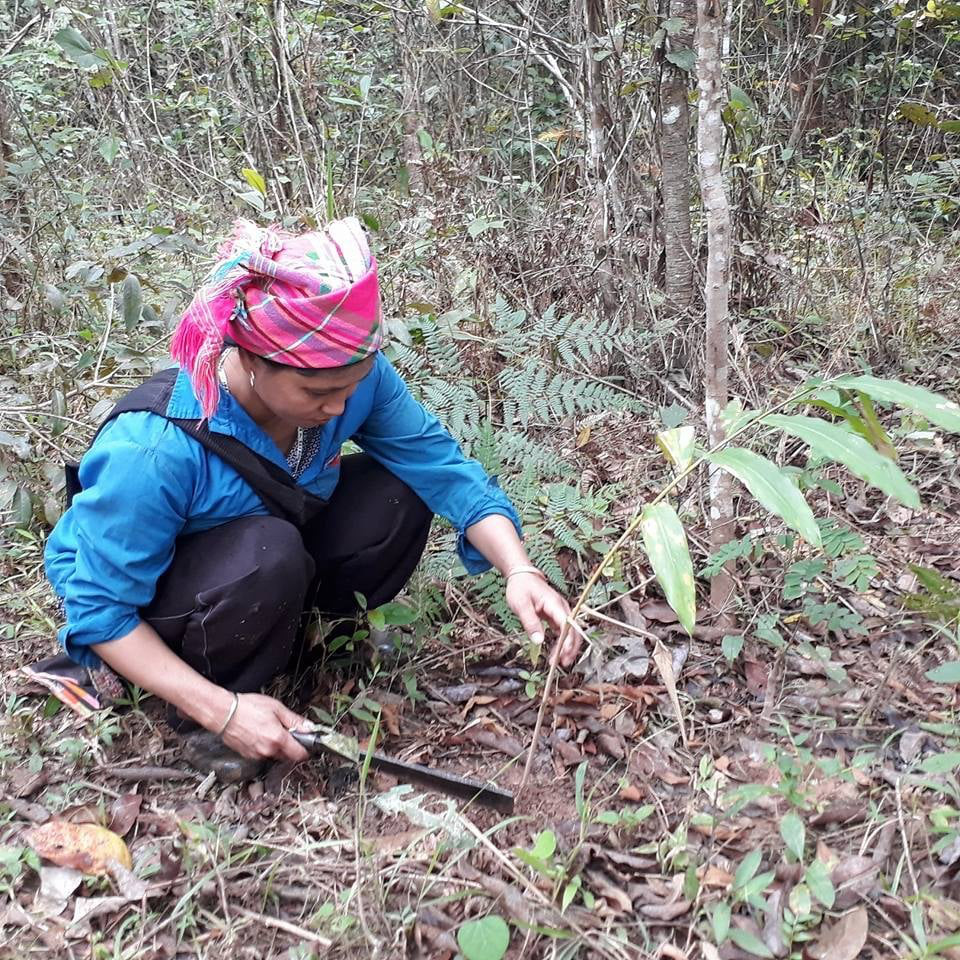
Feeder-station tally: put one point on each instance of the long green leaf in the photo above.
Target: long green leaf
(833, 442)
(666, 545)
(678, 446)
(132, 301)
(948, 672)
(255, 179)
(750, 942)
(772, 488)
(935, 407)
(75, 46)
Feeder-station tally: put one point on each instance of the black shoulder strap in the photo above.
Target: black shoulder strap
(281, 494)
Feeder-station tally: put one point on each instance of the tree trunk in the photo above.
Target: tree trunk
(717, 289)
(675, 164)
(598, 120)
(410, 28)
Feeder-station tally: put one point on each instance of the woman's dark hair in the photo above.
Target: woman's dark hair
(275, 364)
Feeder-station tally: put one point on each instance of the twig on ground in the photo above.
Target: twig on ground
(135, 774)
(545, 694)
(639, 631)
(100, 789)
(774, 679)
(285, 926)
(903, 838)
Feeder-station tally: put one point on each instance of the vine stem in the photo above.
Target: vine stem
(621, 540)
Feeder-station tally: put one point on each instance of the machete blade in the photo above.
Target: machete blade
(346, 748)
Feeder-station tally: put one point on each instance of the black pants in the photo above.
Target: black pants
(230, 604)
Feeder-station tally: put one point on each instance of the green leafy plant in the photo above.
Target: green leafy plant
(663, 534)
(939, 598)
(484, 939)
(734, 550)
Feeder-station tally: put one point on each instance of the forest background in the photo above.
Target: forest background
(782, 782)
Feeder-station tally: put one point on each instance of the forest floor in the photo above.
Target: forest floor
(808, 806)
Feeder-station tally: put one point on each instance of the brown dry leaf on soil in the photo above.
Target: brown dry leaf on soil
(86, 909)
(844, 939)
(757, 674)
(57, 885)
(85, 846)
(853, 877)
(24, 782)
(124, 812)
(944, 915)
(712, 876)
(128, 884)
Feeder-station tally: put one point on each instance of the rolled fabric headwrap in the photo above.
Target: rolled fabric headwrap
(310, 301)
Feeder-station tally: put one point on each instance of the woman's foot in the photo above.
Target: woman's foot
(206, 752)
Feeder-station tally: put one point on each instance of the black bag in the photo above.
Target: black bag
(281, 494)
(85, 690)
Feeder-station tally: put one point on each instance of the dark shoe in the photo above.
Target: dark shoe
(82, 689)
(206, 752)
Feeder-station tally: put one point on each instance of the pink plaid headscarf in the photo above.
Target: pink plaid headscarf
(310, 301)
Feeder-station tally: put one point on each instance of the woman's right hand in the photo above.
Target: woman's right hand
(261, 727)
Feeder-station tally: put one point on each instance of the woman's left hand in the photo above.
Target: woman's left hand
(533, 600)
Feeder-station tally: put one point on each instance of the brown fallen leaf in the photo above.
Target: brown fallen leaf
(395, 842)
(853, 878)
(57, 885)
(610, 744)
(712, 876)
(13, 915)
(844, 939)
(609, 710)
(433, 942)
(33, 812)
(460, 693)
(23, 783)
(124, 812)
(772, 927)
(665, 664)
(625, 859)
(128, 884)
(517, 906)
(81, 813)
(86, 909)
(665, 911)
(615, 897)
(944, 914)
(481, 700)
(495, 741)
(169, 867)
(659, 611)
(568, 752)
(839, 813)
(757, 675)
(631, 793)
(827, 855)
(391, 718)
(717, 830)
(84, 846)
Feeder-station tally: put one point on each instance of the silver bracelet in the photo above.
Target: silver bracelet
(523, 568)
(231, 712)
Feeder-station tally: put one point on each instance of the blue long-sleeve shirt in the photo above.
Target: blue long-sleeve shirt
(146, 482)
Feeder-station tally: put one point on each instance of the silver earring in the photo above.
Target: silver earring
(253, 378)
